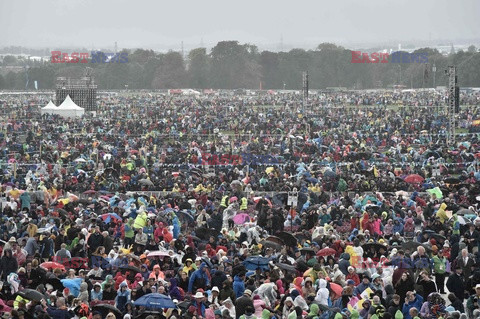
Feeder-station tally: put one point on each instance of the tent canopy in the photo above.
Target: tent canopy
(69, 109)
(50, 108)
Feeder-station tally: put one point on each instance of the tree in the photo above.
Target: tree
(171, 74)
(10, 60)
(199, 68)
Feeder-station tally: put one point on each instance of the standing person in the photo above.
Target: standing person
(466, 262)
(239, 285)
(456, 283)
(94, 241)
(439, 268)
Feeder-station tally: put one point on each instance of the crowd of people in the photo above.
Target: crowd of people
(335, 210)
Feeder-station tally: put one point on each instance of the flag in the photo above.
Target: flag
(366, 293)
(375, 171)
(435, 191)
(36, 85)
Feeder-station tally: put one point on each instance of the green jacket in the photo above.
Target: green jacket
(439, 264)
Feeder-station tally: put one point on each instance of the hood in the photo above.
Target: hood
(409, 221)
(322, 283)
(265, 314)
(236, 278)
(138, 277)
(123, 284)
(173, 283)
(314, 309)
(83, 286)
(443, 206)
(202, 266)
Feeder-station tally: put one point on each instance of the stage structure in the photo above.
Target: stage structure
(83, 91)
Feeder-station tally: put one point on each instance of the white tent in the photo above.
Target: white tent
(50, 108)
(69, 109)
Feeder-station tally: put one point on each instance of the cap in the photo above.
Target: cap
(215, 289)
(477, 286)
(248, 292)
(198, 295)
(350, 282)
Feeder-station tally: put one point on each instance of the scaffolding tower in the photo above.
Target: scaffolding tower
(452, 92)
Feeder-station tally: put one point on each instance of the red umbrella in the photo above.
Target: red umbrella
(257, 199)
(414, 179)
(91, 191)
(326, 252)
(52, 265)
(241, 219)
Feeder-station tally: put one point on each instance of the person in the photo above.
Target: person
(32, 245)
(425, 282)
(243, 303)
(198, 304)
(60, 312)
(96, 293)
(439, 269)
(376, 308)
(394, 305)
(123, 296)
(239, 285)
(456, 283)
(473, 301)
(466, 262)
(8, 264)
(412, 300)
(199, 279)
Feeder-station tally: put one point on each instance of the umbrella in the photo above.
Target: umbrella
(254, 262)
(271, 244)
(31, 294)
(287, 238)
(105, 308)
(145, 181)
(368, 246)
(155, 301)
(90, 191)
(275, 239)
(414, 179)
(158, 253)
(257, 199)
(107, 218)
(80, 160)
(465, 211)
(326, 252)
(56, 283)
(52, 265)
(286, 267)
(185, 217)
(451, 180)
(241, 219)
(130, 268)
(336, 288)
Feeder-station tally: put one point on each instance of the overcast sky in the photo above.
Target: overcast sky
(160, 24)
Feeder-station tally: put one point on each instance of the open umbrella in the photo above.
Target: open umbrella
(465, 211)
(451, 180)
(90, 191)
(158, 253)
(412, 246)
(107, 218)
(326, 252)
(414, 179)
(368, 246)
(31, 294)
(286, 267)
(275, 239)
(336, 288)
(52, 265)
(254, 262)
(155, 301)
(287, 238)
(105, 308)
(145, 181)
(241, 219)
(130, 268)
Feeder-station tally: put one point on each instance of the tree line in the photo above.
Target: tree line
(232, 65)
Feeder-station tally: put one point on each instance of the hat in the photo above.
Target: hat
(248, 292)
(350, 282)
(215, 289)
(198, 259)
(245, 243)
(198, 295)
(375, 276)
(12, 240)
(477, 286)
(350, 268)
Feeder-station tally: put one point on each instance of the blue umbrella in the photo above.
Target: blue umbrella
(155, 301)
(254, 262)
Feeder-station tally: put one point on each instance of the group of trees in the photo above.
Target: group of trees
(231, 65)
